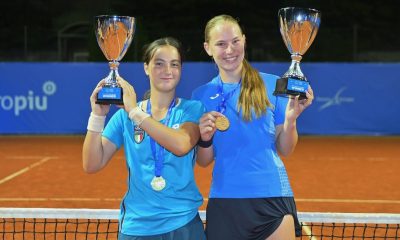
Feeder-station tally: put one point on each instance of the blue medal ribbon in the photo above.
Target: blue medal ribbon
(157, 149)
(225, 97)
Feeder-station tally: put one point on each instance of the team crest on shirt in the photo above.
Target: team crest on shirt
(138, 134)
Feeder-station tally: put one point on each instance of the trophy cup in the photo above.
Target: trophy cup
(114, 35)
(298, 27)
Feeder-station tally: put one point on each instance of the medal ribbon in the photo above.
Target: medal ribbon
(156, 149)
(225, 97)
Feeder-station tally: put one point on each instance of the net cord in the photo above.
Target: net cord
(84, 213)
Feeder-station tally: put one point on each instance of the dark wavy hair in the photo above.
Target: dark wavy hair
(150, 48)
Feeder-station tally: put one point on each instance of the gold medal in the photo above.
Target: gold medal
(158, 183)
(222, 123)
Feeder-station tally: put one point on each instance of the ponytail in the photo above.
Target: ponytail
(253, 96)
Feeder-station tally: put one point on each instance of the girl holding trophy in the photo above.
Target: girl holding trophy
(159, 136)
(244, 129)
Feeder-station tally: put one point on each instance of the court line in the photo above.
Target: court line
(371, 159)
(26, 157)
(26, 169)
(40, 157)
(58, 199)
(335, 200)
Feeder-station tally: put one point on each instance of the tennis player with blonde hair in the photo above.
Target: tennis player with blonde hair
(244, 131)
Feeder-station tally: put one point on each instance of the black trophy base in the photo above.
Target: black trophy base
(110, 101)
(110, 95)
(291, 87)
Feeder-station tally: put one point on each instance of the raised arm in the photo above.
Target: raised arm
(97, 151)
(286, 134)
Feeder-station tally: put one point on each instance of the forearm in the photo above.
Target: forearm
(287, 135)
(287, 138)
(178, 141)
(92, 153)
(205, 156)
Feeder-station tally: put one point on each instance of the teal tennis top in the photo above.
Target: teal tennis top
(145, 211)
(247, 164)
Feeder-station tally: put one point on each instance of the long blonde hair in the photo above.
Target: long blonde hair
(253, 96)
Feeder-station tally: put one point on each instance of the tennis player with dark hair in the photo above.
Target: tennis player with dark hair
(159, 136)
(243, 131)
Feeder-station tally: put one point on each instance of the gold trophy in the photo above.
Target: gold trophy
(114, 35)
(298, 27)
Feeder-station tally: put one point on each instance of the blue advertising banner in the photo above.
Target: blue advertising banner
(53, 98)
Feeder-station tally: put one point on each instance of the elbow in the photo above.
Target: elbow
(90, 168)
(180, 151)
(182, 148)
(203, 164)
(286, 152)
(204, 160)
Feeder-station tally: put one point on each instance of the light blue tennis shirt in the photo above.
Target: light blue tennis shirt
(247, 164)
(145, 211)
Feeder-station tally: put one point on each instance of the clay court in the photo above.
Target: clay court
(328, 174)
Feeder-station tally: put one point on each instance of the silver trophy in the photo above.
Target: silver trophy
(298, 27)
(114, 35)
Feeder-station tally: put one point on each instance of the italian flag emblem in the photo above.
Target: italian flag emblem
(138, 134)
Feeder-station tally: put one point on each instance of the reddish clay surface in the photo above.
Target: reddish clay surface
(328, 174)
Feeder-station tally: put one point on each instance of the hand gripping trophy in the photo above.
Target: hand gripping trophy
(298, 27)
(114, 35)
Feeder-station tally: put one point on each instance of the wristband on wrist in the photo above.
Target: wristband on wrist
(137, 115)
(96, 123)
(205, 144)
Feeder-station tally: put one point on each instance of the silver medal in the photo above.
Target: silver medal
(158, 183)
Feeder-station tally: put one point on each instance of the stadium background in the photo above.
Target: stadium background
(347, 159)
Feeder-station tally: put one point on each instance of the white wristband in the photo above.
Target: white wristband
(137, 115)
(96, 123)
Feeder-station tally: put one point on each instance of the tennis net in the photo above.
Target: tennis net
(51, 223)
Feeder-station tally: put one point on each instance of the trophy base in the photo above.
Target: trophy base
(110, 95)
(290, 87)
